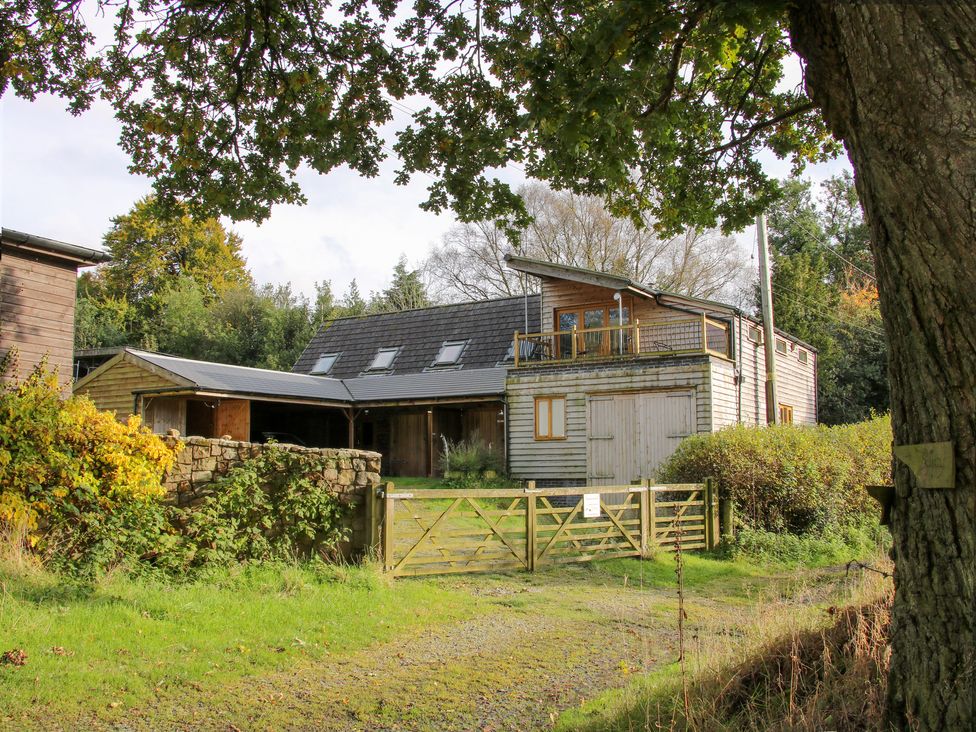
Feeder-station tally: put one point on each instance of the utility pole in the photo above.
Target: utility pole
(769, 332)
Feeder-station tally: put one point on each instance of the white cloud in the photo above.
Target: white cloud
(65, 177)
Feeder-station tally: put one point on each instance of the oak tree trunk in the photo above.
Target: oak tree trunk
(897, 83)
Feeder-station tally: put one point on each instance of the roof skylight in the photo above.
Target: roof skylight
(384, 359)
(450, 353)
(324, 364)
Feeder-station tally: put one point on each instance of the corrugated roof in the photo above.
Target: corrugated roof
(487, 325)
(430, 385)
(245, 380)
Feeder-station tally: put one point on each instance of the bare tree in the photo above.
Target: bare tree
(578, 231)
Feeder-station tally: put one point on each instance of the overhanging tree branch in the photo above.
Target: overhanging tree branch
(760, 126)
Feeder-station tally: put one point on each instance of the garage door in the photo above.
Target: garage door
(630, 435)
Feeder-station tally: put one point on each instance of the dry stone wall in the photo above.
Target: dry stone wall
(352, 474)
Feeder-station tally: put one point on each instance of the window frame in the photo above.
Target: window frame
(802, 356)
(548, 436)
(785, 413)
(786, 347)
(438, 364)
(389, 367)
(335, 358)
(606, 345)
(759, 334)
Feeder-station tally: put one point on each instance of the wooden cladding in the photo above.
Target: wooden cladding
(550, 418)
(37, 308)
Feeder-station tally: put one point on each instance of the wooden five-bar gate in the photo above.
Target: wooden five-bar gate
(442, 531)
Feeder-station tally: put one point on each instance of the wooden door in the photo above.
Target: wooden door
(611, 439)
(233, 418)
(164, 414)
(664, 419)
(408, 444)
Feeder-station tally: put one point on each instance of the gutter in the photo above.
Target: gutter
(190, 391)
(43, 245)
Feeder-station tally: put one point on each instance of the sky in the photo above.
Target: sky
(65, 177)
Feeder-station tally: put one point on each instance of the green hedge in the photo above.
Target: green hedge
(790, 478)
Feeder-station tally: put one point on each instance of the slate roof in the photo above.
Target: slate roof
(207, 376)
(487, 325)
(429, 385)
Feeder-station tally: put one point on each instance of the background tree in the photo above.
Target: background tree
(352, 302)
(181, 286)
(660, 106)
(266, 327)
(152, 246)
(824, 293)
(579, 231)
(407, 291)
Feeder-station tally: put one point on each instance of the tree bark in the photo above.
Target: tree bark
(897, 83)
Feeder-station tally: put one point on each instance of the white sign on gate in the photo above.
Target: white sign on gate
(591, 505)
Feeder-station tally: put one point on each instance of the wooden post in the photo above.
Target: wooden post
(515, 345)
(388, 528)
(430, 443)
(574, 347)
(530, 526)
(652, 517)
(711, 514)
(645, 519)
(704, 326)
(637, 337)
(726, 520)
(351, 417)
(372, 521)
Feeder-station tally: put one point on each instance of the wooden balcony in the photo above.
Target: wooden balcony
(675, 337)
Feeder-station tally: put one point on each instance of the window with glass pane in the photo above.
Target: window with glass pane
(324, 364)
(567, 321)
(593, 343)
(620, 340)
(383, 359)
(450, 353)
(550, 418)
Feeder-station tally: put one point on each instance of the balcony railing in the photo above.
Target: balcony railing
(676, 337)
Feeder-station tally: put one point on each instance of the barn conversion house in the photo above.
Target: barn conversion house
(593, 380)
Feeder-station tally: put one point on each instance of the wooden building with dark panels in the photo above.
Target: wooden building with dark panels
(38, 282)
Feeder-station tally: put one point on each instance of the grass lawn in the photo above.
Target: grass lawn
(101, 649)
(318, 647)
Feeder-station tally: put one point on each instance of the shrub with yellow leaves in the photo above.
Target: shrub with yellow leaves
(87, 486)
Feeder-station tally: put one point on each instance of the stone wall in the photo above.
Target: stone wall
(353, 474)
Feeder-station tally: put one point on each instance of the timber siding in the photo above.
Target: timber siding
(37, 302)
(566, 459)
(112, 389)
(796, 383)
(558, 294)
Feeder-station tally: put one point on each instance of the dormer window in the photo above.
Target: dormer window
(324, 364)
(383, 360)
(450, 353)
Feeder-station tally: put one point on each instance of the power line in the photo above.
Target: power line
(830, 249)
(804, 301)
